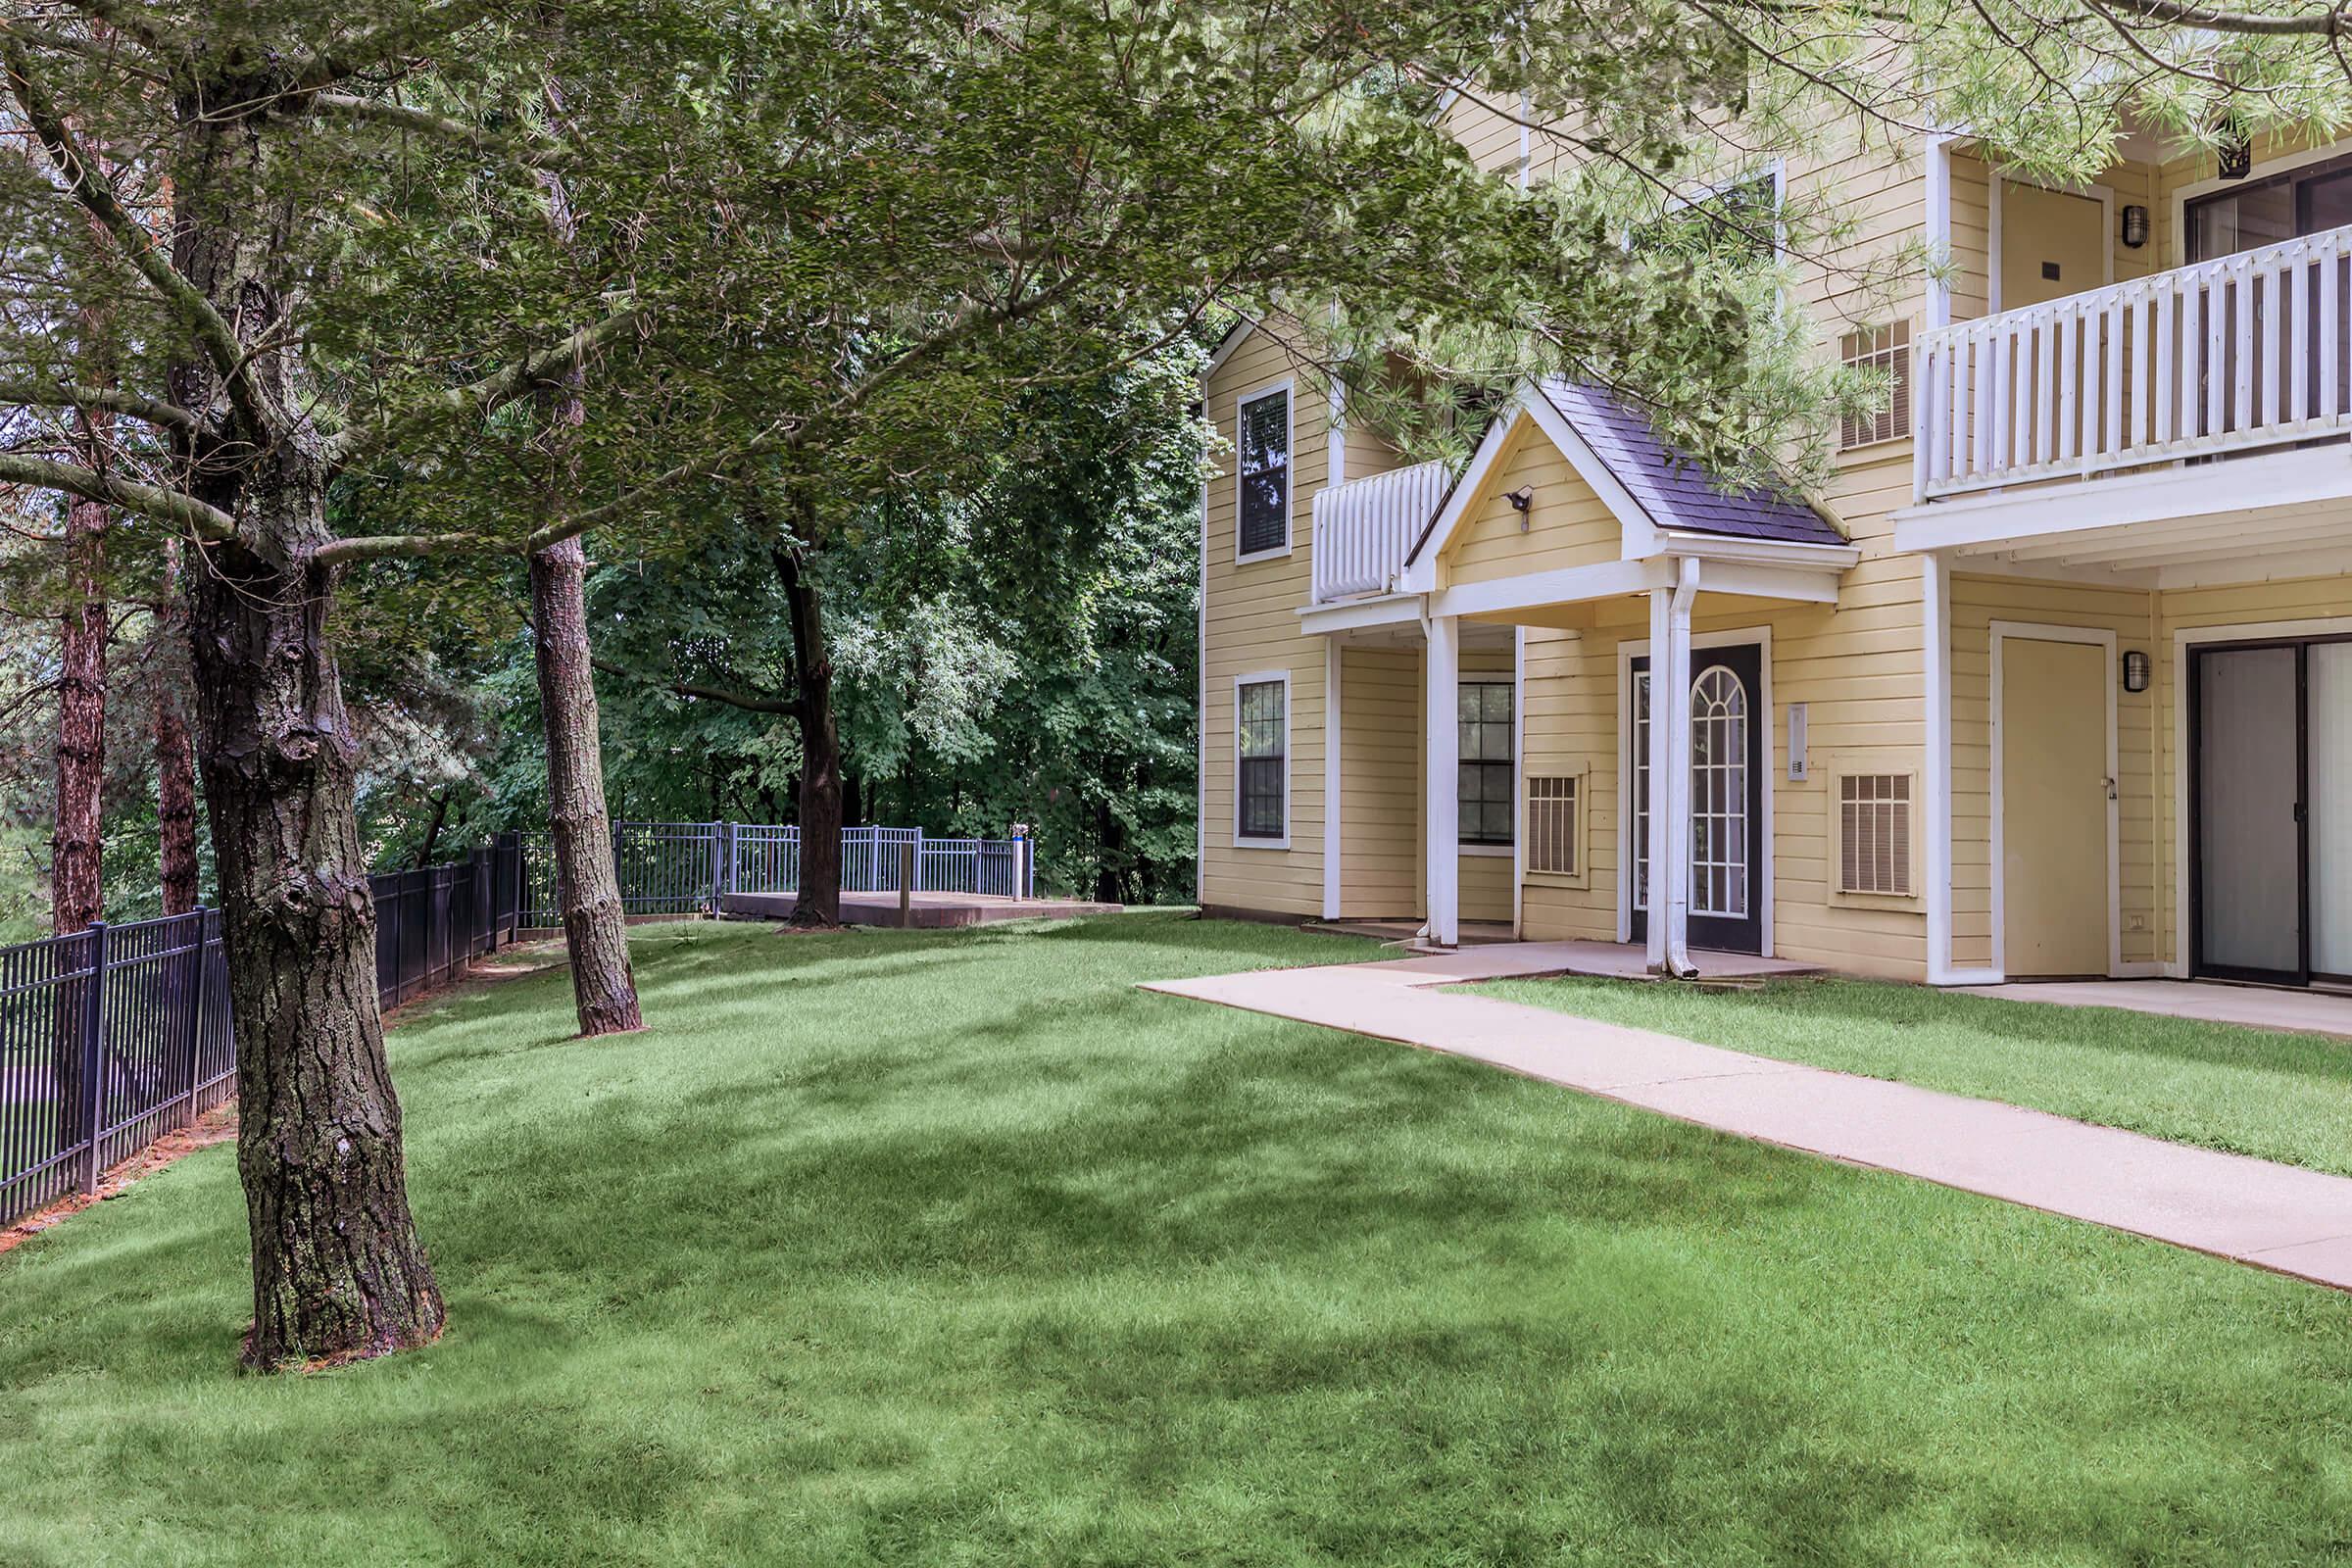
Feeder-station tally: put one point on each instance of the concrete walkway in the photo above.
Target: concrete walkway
(2272, 1216)
(2314, 1013)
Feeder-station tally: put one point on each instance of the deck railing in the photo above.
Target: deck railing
(1363, 528)
(2243, 351)
(681, 868)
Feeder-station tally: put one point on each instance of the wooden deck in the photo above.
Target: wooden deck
(926, 911)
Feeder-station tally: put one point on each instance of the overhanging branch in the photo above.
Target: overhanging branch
(200, 518)
(527, 152)
(749, 703)
(478, 399)
(96, 194)
(105, 399)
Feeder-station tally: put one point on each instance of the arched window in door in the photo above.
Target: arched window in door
(1719, 825)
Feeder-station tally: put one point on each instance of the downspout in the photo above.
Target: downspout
(1677, 714)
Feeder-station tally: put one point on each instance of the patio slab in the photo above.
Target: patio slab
(927, 912)
(2314, 1013)
(2272, 1216)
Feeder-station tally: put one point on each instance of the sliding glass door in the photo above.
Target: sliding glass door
(2270, 801)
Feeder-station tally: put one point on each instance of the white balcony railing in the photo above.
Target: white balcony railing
(1364, 527)
(2252, 350)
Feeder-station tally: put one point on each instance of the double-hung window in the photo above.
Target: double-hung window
(1262, 467)
(1485, 718)
(1261, 783)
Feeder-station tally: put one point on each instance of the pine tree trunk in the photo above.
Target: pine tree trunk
(75, 899)
(595, 922)
(820, 901)
(596, 926)
(175, 765)
(338, 1270)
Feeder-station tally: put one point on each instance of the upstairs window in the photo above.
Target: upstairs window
(1263, 467)
(1739, 221)
(1261, 789)
(1486, 762)
(1886, 349)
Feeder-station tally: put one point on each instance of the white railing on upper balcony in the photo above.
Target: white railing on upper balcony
(2247, 351)
(1364, 527)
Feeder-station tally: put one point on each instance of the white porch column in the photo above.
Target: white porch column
(1331, 777)
(1678, 775)
(1661, 767)
(1443, 736)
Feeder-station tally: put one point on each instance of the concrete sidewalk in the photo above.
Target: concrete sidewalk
(2277, 1217)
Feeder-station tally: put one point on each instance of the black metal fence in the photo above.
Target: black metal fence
(686, 868)
(430, 923)
(108, 1038)
(117, 1035)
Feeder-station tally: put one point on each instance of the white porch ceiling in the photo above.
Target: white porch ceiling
(2249, 520)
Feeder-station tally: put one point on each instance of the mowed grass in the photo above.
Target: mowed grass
(2275, 1095)
(954, 1249)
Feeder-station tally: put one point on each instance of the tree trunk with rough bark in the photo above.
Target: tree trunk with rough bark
(818, 903)
(596, 926)
(595, 922)
(174, 764)
(338, 1272)
(76, 898)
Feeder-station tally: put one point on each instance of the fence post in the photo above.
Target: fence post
(918, 859)
(718, 882)
(93, 1054)
(906, 876)
(195, 995)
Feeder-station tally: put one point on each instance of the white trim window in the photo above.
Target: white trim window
(1261, 767)
(1885, 349)
(1483, 799)
(1262, 474)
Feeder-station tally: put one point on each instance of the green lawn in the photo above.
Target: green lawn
(2282, 1097)
(954, 1248)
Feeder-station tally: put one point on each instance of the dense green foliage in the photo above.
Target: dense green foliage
(1018, 650)
(956, 1249)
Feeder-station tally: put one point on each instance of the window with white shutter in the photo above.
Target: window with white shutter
(1874, 834)
(1886, 349)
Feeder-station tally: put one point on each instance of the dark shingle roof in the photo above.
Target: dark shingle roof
(1670, 485)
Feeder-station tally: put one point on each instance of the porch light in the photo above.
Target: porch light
(2135, 226)
(2135, 670)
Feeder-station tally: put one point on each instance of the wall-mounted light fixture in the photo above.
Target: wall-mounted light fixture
(2135, 670)
(1521, 499)
(2135, 226)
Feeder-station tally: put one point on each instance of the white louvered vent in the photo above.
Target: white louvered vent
(1887, 348)
(1874, 834)
(1553, 840)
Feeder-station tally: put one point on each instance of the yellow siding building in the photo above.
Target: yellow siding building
(2053, 677)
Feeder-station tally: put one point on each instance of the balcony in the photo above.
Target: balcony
(1365, 529)
(2247, 351)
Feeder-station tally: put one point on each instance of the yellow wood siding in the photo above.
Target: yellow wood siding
(1380, 783)
(1251, 624)
(1567, 525)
